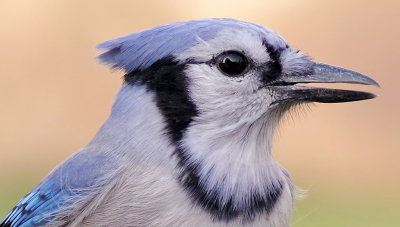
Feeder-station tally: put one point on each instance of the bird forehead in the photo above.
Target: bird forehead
(238, 39)
(140, 50)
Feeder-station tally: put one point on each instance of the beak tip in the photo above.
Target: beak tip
(368, 95)
(373, 82)
(333, 74)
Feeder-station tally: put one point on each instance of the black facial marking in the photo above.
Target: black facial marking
(274, 66)
(166, 78)
(210, 200)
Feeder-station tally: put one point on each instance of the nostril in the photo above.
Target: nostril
(270, 75)
(272, 72)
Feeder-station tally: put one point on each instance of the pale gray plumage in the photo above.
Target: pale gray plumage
(188, 141)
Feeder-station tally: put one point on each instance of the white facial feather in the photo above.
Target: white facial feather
(293, 62)
(228, 39)
(231, 137)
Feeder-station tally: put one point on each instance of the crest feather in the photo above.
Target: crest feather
(139, 50)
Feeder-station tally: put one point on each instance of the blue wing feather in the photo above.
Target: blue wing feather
(41, 205)
(33, 208)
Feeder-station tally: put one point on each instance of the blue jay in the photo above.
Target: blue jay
(188, 141)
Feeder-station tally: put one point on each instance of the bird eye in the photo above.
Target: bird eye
(232, 63)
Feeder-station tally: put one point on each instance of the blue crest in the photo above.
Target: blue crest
(140, 50)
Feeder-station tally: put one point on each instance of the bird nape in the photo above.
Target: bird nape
(188, 141)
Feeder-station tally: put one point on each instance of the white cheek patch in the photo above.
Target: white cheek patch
(242, 40)
(224, 100)
(208, 83)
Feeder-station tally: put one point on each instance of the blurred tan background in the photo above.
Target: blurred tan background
(54, 95)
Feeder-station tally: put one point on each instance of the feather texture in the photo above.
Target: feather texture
(76, 178)
(185, 145)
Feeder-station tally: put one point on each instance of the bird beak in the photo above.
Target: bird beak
(321, 73)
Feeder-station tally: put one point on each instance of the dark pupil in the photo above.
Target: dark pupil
(232, 63)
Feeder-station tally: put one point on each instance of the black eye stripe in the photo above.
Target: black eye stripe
(274, 66)
(226, 64)
(230, 63)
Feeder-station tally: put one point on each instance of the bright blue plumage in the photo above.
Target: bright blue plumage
(75, 178)
(34, 208)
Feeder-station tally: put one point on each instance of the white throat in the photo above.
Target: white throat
(235, 162)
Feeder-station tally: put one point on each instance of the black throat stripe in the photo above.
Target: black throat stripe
(167, 79)
(261, 202)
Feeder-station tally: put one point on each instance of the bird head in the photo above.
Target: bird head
(224, 72)
(221, 86)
